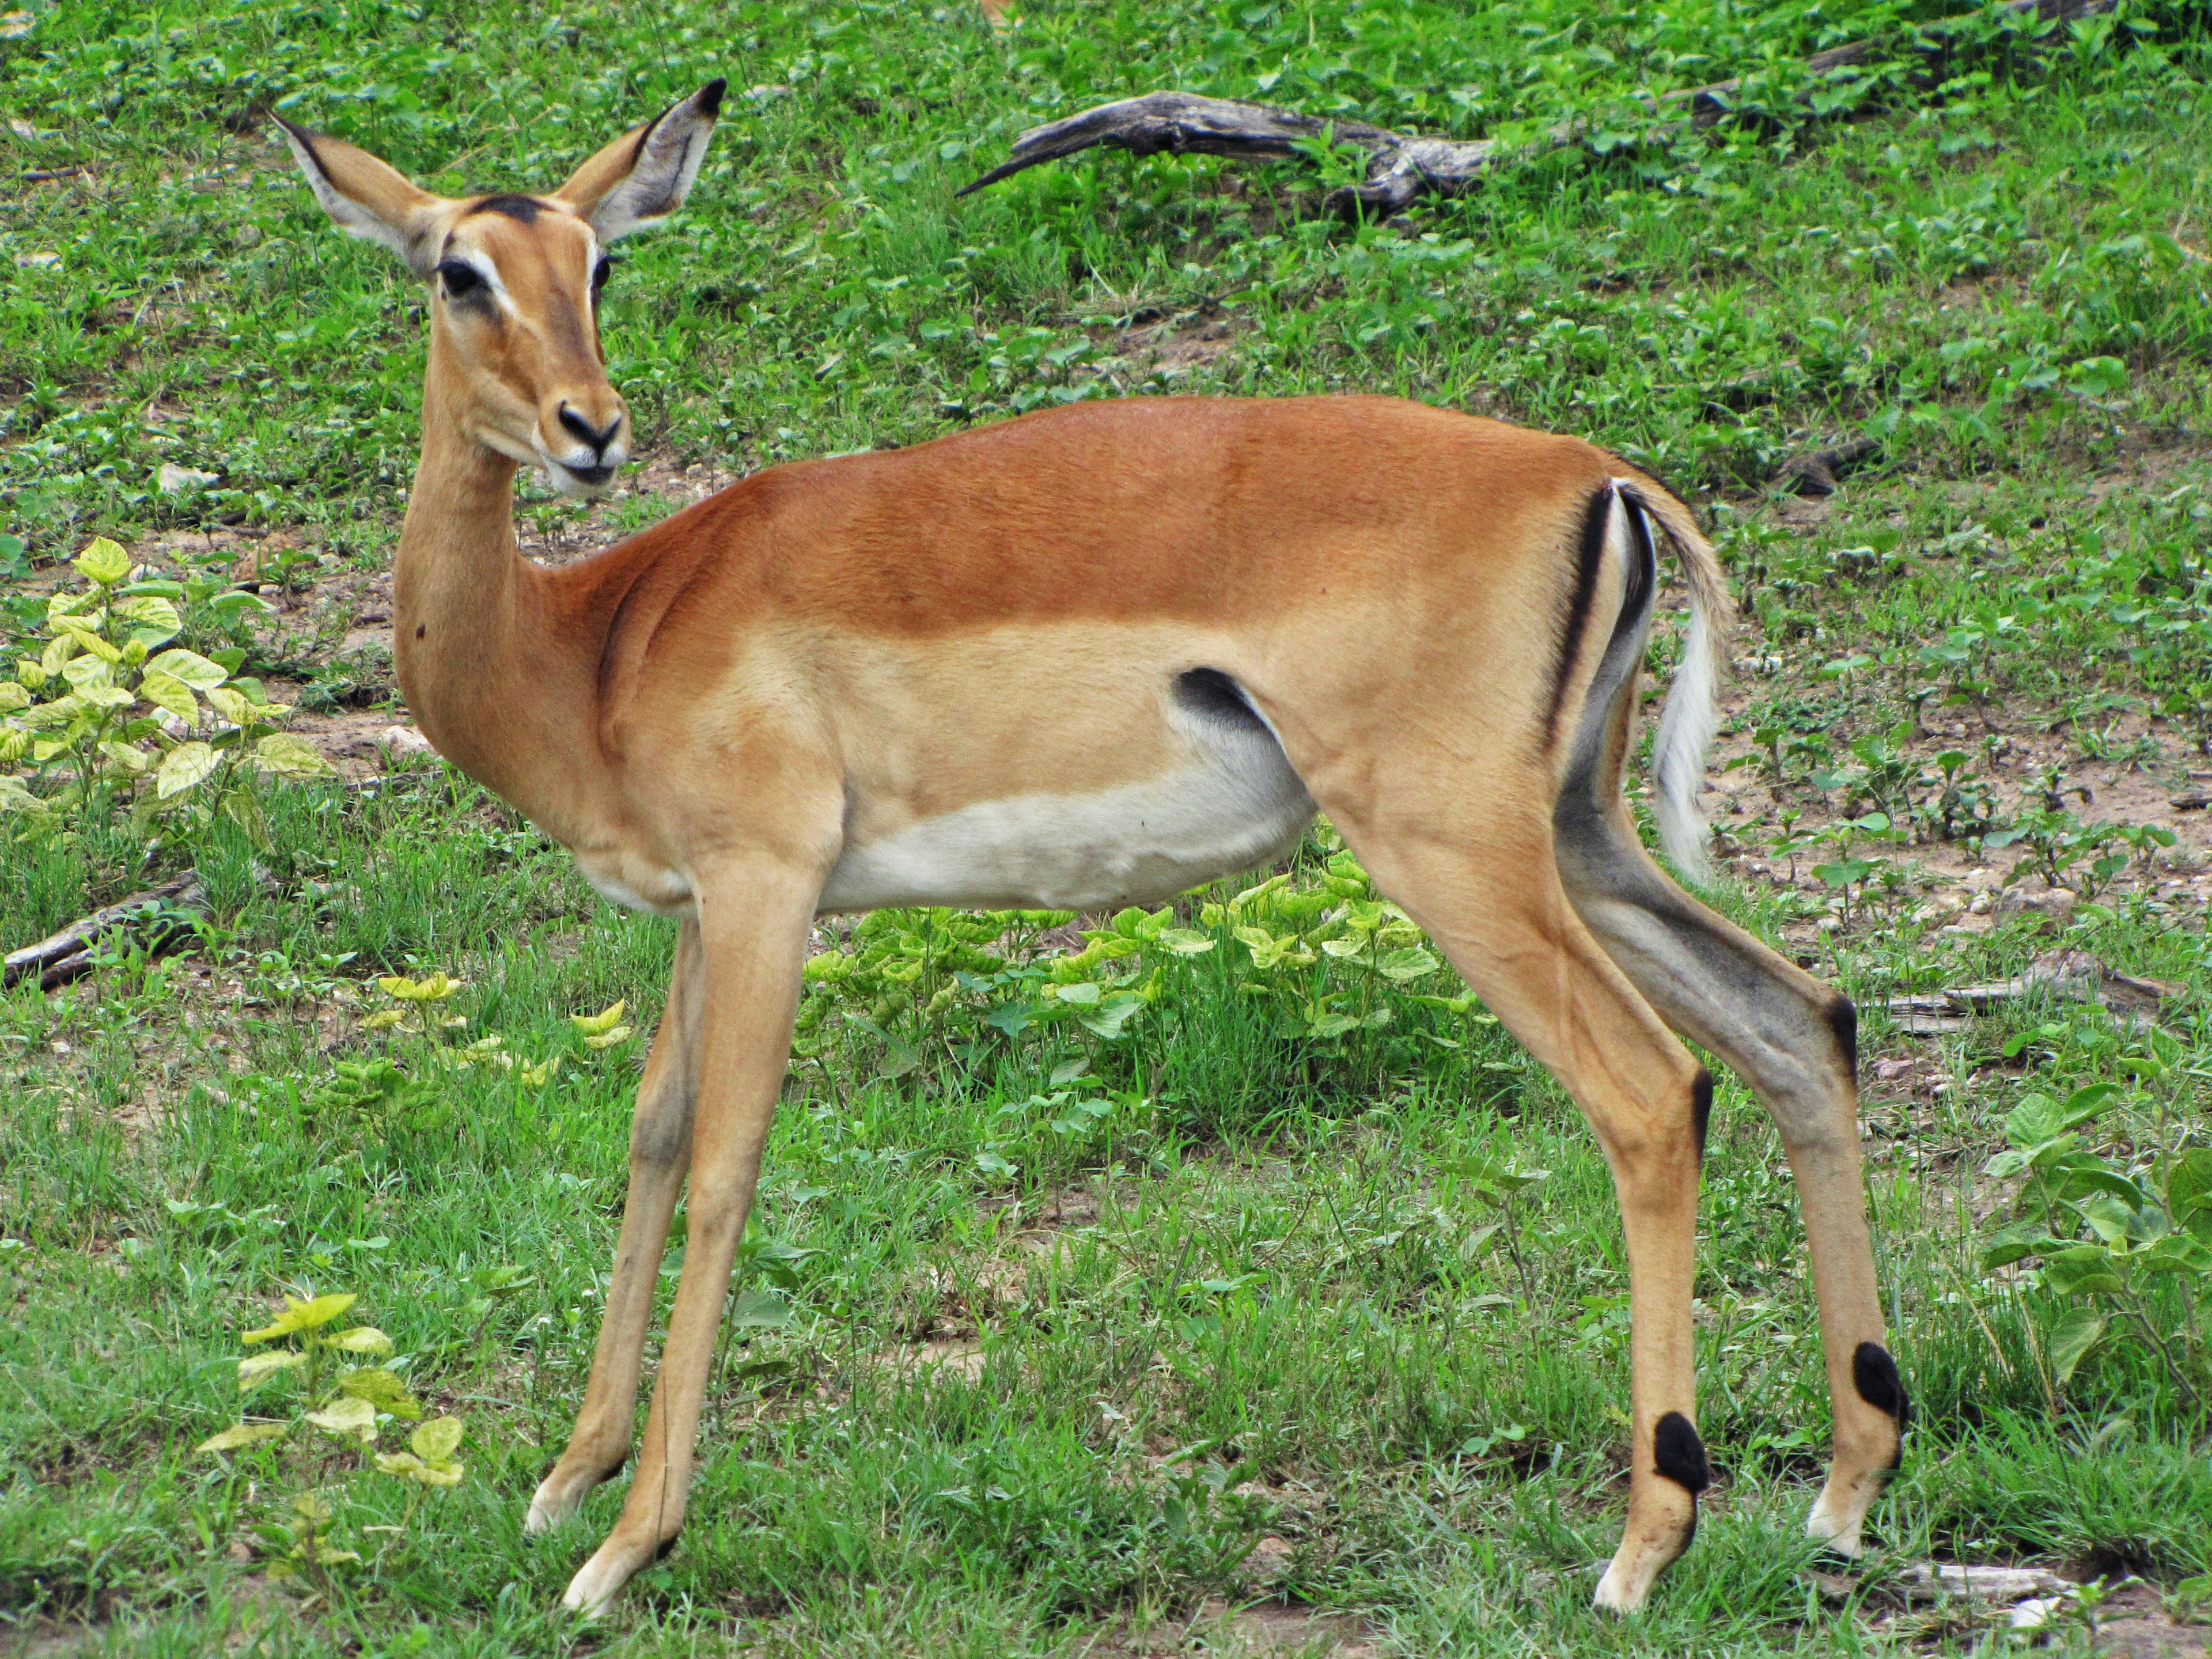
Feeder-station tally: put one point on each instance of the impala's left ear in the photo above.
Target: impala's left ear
(646, 173)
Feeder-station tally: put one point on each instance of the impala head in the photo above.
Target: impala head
(515, 282)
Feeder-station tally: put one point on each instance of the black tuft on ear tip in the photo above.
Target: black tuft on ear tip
(709, 99)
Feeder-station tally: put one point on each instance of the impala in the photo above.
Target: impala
(791, 698)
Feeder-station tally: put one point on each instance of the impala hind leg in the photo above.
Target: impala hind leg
(751, 933)
(1794, 1041)
(660, 1149)
(1506, 924)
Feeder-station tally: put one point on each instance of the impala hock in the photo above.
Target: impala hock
(790, 698)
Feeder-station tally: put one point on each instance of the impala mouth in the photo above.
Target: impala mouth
(581, 481)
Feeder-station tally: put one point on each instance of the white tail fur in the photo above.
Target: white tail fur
(1692, 714)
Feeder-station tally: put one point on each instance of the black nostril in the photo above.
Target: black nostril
(581, 429)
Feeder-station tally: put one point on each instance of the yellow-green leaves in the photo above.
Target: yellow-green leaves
(105, 714)
(348, 1417)
(257, 1368)
(363, 1339)
(288, 757)
(187, 764)
(189, 667)
(303, 1315)
(434, 987)
(430, 1456)
(602, 1030)
(381, 1390)
(103, 562)
(244, 1434)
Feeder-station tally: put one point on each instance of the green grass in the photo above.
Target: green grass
(1024, 1390)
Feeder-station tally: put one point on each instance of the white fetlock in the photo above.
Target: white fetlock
(549, 1506)
(1618, 1592)
(592, 1592)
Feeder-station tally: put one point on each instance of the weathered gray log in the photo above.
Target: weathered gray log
(68, 955)
(1401, 166)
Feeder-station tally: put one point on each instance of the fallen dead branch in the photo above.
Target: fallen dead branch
(2062, 976)
(1401, 166)
(150, 918)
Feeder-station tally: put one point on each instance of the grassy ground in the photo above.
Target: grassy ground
(1211, 1314)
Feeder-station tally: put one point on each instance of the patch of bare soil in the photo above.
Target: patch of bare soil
(1265, 1630)
(2022, 758)
(1175, 346)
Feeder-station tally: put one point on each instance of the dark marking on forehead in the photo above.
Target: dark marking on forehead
(523, 210)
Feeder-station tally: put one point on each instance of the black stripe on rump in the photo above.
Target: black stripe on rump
(1590, 559)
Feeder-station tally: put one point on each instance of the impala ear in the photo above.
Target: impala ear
(367, 197)
(646, 173)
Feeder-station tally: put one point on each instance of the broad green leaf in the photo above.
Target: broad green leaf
(1110, 1018)
(2071, 1339)
(13, 695)
(2085, 1104)
(288, 757)
(106, 696)
(2109, 1219)
(1351, 945)
(758, 1309)
(363, 1339)
(436, 1440)
(102, 561)
(190, 666)
(605, 1019)
(2177, 1253)
(167, 692)
(257, 1368)
(381, 1390)
(2188, 1184)
(1083, 993)
(245, 1434)
(303, 1316)
(187, 764)
(348, 1417)
(59, 649)
(2084, 1270)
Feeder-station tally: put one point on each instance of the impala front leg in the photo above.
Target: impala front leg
(752, 930)
(659, 1150)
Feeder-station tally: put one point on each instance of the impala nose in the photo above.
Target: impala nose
(582, 430)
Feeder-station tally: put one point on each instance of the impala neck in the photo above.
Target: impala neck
(485, 681)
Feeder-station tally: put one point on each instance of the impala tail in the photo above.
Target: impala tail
(1692, 713)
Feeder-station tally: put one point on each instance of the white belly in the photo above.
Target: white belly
(1237, 804)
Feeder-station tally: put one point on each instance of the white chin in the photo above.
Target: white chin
(568, 483)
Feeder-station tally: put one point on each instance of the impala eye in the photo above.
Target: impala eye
(601, 271)
(460, 278)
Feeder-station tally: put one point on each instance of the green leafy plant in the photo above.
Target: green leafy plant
(342, 1399)
(2103, 1234)
(103, 713)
